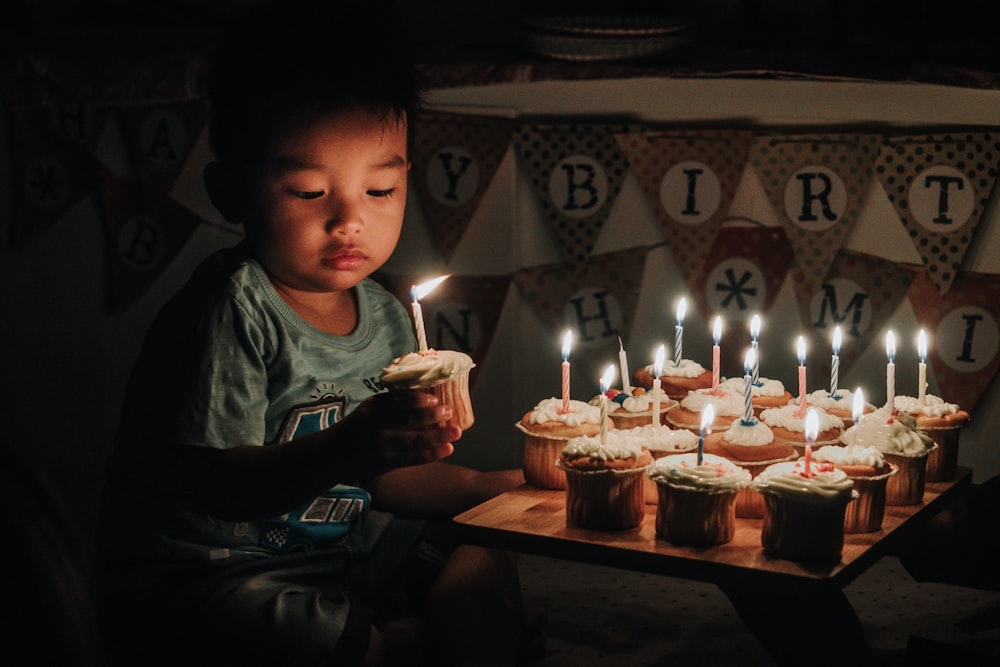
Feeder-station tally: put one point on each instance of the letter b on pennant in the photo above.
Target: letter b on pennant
(578, 186)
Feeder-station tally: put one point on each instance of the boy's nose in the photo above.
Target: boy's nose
(345, 218)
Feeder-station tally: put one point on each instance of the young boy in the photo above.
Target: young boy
(267, 502)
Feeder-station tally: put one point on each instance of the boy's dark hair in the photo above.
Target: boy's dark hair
(291, 61)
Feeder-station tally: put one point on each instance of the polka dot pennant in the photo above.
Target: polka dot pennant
(816, 184)
(577, 172)
(860, 294)
(689, 178)
(455, 158)
(940, 185)
(596, 299)
(964, 331)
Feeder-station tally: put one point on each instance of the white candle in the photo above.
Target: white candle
(623, 362)
(754, 333)
(567, 343)
(800, 352)
(858, 406)
(716, 338)
(890, 370)
(835, 362)
(606, 380)
(707, 417)
(657, 369)
(812, 429)
(748, 363)
(679, 332)
(418, 292)
(922, 367)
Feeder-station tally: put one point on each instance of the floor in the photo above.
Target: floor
(608, 616)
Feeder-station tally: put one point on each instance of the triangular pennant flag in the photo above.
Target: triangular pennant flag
(940, 185)
(964, 331)
(689, 178)
(454, 160)
(816, 183)
(53, 167)
(142, 237)
(860, 294)
(577, 172)
(158, 139)
(461, 313)
(741, 278)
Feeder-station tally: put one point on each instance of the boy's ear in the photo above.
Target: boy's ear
(221, 185)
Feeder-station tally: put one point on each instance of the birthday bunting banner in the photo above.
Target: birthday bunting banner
(940, 185)
(158, 139)
(455, 158)
(860, 294)
(577, 172)
(461, 313)
(816, 184)
(52, 165)
(964, 330)
(689, 178)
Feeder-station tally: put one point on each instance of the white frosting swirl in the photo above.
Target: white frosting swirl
(714, 474)
(889, 432)
(843, 399)
(850, 455)
(763, 387)
(614, 447)
(754, 433)
(550, 410)
(788, 418)
(416, 370)
(688, 368)
(661, 438)
(933, 406)
(635, 404)
(790, 477)
(727, 404)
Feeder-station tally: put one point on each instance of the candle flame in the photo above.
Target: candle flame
(707, 417)
(607, 378)
(681, 311)
(837, 336)
(890, 346)
(858, 405)
(922, 345)
(567, 343)
(800, 350)
(754, 327)
(749, 360)
(812, 425)
(418, 292)
(717, 329)
(661, 353)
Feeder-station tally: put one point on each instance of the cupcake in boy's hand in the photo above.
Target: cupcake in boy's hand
(444, 373)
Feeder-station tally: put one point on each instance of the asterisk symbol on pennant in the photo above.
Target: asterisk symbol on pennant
(736, 288)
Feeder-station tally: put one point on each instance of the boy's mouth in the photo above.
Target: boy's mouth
(344, 260)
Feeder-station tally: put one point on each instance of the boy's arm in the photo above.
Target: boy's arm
(439, 489)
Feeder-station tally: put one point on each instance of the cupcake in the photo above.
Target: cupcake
(943, 422)
(444, 373)
(870, 472)
(789, 425)
(676, 380)
(547, 429)
(687, 414)
(839, 404)
(635, 408)
(696, 502)
(804, 510)
(750, 445)
(764, 393)
(896, 436)
(661, 441)
(604, 481)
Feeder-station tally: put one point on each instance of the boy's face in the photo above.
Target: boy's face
(330, 201)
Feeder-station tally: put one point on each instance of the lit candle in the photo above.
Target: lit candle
(748, 363)
(418, 292)
(890, 369)
(922, 366)
(800, 352)
(606, 380)
(716, 337)
(657, 369)
(567, 342)
(707, 417)
(858, 406)
(812, 429)
(679, 332)
(835, 362)
(623, 362)
(754, 333)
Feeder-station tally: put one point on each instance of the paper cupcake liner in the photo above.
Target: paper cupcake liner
(803, 530)
(907, 486)
(942, 462)
(749, 504)
(696, 517)
(865, 514)
(540, 454)
(604, 499)
(652, 495)
(455, 392)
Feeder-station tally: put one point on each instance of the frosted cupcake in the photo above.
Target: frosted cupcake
(870, 472)
(604, 481)
(547, 429)
(444, 373)
(764, 394)
(839, 404)
(696, 503)
(629, 410)
(750, 445)
(789, 425)
(804, 511)
(676, 380)
(661, 441)
(943, 422)
(896, 436)
(728, 407)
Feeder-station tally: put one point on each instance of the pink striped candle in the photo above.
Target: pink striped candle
(567, 342)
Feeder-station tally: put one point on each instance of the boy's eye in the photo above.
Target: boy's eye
(309, 194)
(380, 193)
